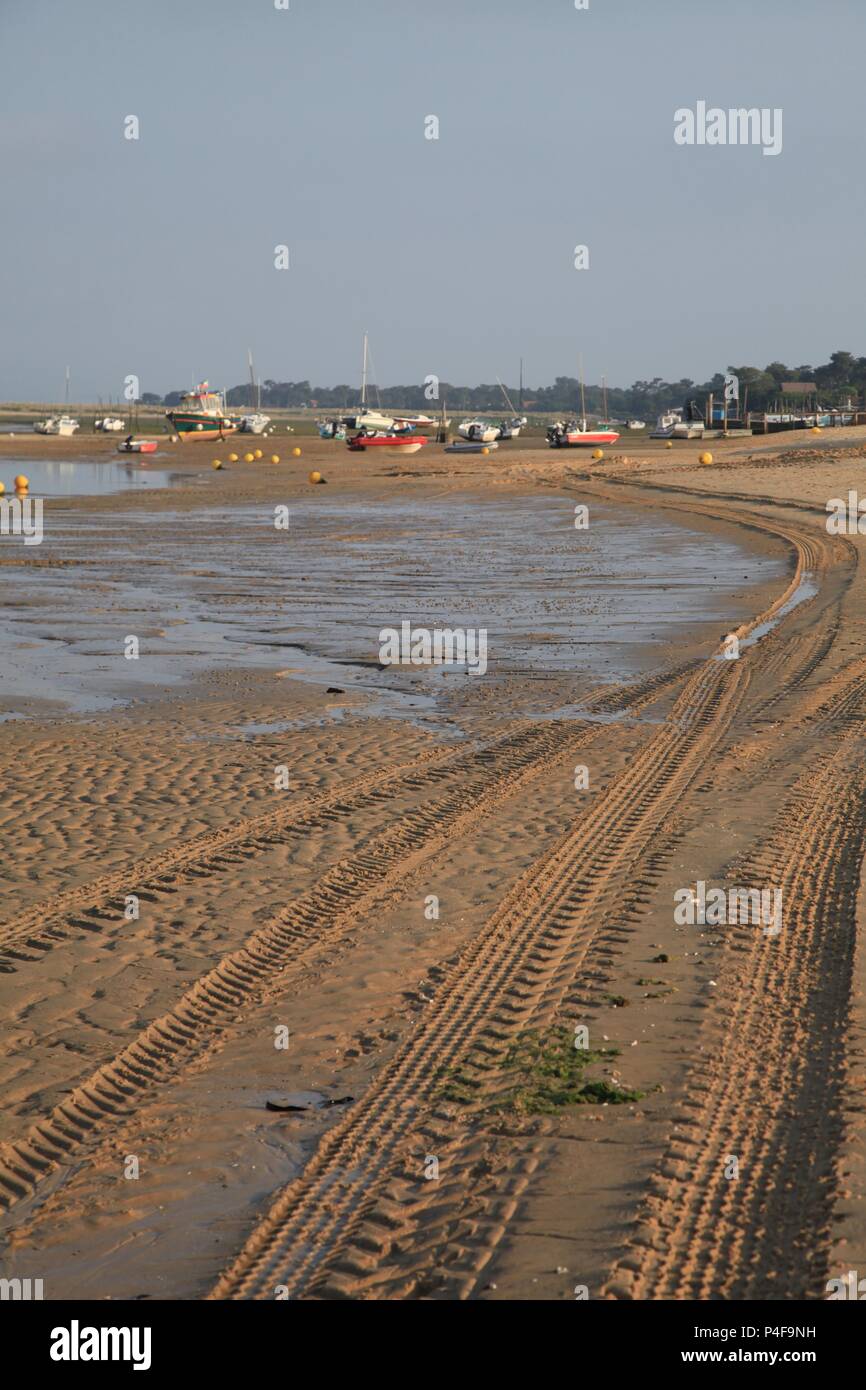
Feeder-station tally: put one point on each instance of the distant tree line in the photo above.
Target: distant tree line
(840, 379)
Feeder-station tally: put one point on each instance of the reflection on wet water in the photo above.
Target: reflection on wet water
(214, 589)
(60, 478)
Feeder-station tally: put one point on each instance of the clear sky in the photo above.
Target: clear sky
(306, 127)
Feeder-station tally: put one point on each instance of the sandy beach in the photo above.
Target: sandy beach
(296, 950)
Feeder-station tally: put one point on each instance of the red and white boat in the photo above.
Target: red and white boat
(138, 446)
(576, 434)
(405, 443)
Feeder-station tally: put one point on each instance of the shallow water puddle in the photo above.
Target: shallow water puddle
(211, 589)
(58, 478)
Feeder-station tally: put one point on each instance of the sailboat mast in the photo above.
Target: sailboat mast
(506, 396)
(520, 408)
(364, 375)
(252, 379)
(582, 393)
(604, 398)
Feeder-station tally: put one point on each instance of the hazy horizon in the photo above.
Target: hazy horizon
(306, 128)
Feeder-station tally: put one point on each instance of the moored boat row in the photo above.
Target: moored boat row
(202, 413)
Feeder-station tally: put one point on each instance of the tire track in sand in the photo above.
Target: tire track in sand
(98, 906)
(332, 1230)
(333, 906)
(344, 1227)
(771, 1087)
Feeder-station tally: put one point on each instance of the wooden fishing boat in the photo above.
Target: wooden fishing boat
(201, 415)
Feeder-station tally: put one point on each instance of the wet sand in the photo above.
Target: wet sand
(307, 906)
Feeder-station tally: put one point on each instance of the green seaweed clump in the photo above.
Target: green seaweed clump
(540, 1074)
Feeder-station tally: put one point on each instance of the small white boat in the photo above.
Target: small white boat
(415, 422)
(672, 424)
(365, 418)
(57, 424)
(510, 429)
(331, 429)
(478, 431)
(664, 426)
(110, 424)
(465, 446)
(254, 424)
(635, 424)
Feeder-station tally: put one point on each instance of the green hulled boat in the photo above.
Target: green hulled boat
(201, 415)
